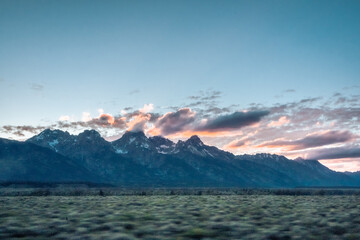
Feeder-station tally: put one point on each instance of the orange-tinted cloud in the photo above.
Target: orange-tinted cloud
(342, 165)
(107, 118)
(104, 120)
(282, 121)
(311, 141)
(189, 133)
(237, 144)
(138, 122)
(147, 108)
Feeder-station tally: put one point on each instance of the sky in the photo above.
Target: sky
(281, 77)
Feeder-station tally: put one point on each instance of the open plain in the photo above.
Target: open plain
(180, 217)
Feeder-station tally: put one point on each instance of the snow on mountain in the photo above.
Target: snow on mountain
(135, 159)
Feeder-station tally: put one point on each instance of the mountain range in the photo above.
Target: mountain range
(136, 160)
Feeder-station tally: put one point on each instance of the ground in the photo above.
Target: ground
(180, 217)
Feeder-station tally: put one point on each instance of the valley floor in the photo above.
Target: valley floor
(180, 217)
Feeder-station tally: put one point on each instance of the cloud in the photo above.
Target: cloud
(351, 87)
(342, 165)
(306, 113)
(132, 121)
(64, 118)
(147, 108)
(237, 144)
(36, 87)
(217, 110)
(138, 122)
(311, 141)
(135, 91)
(73, 125)
(285, 92)
(86, 117)
(282, 121)
(186, 121)
(21, 130)
(173, 122)
(206, 95)
(204, 100)
(341, 99)
(127, 108)
(299, 128)
(233, 121)
(310, 100)
(289, 91)
(335, 153)
(106, 118)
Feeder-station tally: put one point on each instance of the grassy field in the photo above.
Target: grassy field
(180, 217)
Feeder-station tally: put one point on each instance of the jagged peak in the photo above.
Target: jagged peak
(265, 156)
(160, 139)
(195, 140)
(136, 134)
(88, 133)
(269, 155)
(307, 161)
(195, 137)
(130, 137)
(48, 133)
(48, 130)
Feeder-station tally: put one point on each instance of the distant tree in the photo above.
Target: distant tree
(101, 193)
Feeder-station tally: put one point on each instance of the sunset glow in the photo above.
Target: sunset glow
(246, 77)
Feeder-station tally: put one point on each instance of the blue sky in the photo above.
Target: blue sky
(64, 58)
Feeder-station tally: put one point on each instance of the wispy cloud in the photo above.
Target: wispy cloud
(173, 122)
(311, 141)
(336, 153)
(282, 121)
(147, 108)
(20, 131)
(206, 95)
(36, 87)
(135, 91)
(237, 144)
(64, 118)
(289, 91)
(233, 121)
(310, 127)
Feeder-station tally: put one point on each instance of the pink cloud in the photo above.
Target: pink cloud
(282, 121)
(174, 122)
(311, 141)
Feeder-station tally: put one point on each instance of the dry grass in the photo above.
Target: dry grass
(180, 217)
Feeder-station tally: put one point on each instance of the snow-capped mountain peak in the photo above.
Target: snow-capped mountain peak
(131, 141)
(195, 141)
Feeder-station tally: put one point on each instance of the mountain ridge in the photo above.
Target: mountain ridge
(138, 160)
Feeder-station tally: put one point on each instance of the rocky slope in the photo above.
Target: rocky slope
(136, 160)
